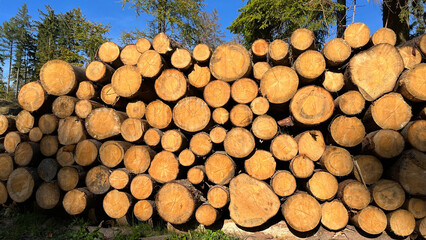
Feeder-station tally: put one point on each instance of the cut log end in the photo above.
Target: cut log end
(368, 169)
(371, 220)
(230, 61)
(217, 93)
(334, 215)
(47, 195)
(144, 210)
(114, 210)
(138, 158)
(191, 114)
(220, 168)
(261, 165)
(347, 131)
(206, 214)
(142, 186)
(279, 84)
(283, 183)
(32, 96)
(388, 195)
(384, 35)
(218, 196)
(302, 212)
(239, 142)
(357, 35)
(164, 167)
(401, 222)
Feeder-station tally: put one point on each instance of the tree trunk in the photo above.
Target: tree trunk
(401, 222)
(186, 158)
(206, 214)
(384, 143)
(6, 166)
(199, 76)
(84, 107)
(357, 35)
(411, 83)
(301, 40)
(391, 19)
(87, 90)
(47, 169)
(65, 155)
(244, 90)
(279, 52)
(239, 143)
(20, 184)
(49, 145)
(202, 53)
(341, 19)
(196, 174)
(127, 81)
(309, 65)
(25, 152)
(48, 123)
(181, 59)
(150, 64)
(7, 124)
(347, 131)
(350, 103)
(35, 134)
(311, 144)
(302, 166)
(218, 134)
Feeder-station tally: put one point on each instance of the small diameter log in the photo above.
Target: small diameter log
(25, 152)
(196, 174)
(47, 195)
(32, 96)
(301, 40)
(119, 178)
(322, 185)
(84, 107)
(3, 193)
(259, 69)
(384, 143)
(129, 55)
(191, 114)
(284, 147)
(301, 166)
(336, 52)
(48, 123)
(20, 184)
(421, 224)
(333, 81)
(411, 56)
(334, 215)
(49, 145)
(363, 70)
(69, 177)
(239, 143)
(6, 166)
(389, 112)
(401, 222)
(173, 140)
(71, 131)
(279, 84)
(264, 127)
(283, 183)
(186, 158)
(206, 214)
(144, 210)
(99, 72)
(136, 109)
(261, 165)
(133, 129)
(104, 123)
(65, 155)
(64, 106)
(114, 210)
(142, 186)
(86, 152)
(35, 134)
(241, 115)
(252, 201)
(371, 220)
(171, 85)
(164, 167)
(150, 64)
(87, 90)
(417, 207)
(244, 90)
(158, 114)
(259, 48)
(230, 61)
(110, 97)
(412, 83)
(357, 35)
(310, 65)
(218, 196)
(220, 168)
(11, 141)
(312, 105)
(279, 52)
(347, 131)
(201, 53)
(199, 76)
(47, 169)
(302, 212)
(126, 81)
(370, 167)
(350, 103)
(181, 59)
(217, 93)
(111, 153)
(152, 137)
(24, 121)
(217, 134)
(259, 106)
(163, 44)
(201, 144)
(109, 52)
(77, 200)
(354, 194)
(337, 161)
(97, 179)
(143, 45)
(138, 158)
(311, 144)
(166, 200)
(220, 115)
(60, 78)
(414, 134)
(384, 35)
(388, 195)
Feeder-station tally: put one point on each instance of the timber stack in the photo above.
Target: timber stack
(334, 136)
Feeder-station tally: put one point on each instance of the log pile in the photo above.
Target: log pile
(331, 137)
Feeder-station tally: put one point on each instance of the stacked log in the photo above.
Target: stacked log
(335, 136)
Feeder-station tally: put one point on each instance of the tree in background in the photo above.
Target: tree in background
(7, 47)
(208, 29)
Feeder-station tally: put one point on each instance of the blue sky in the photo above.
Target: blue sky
(111, 12)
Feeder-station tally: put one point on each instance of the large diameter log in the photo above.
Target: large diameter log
(261, 165)
(132, 129)
(279, 84)
(7, 124)
(283, 183)
(136, 109)
(244, 90)
(109, 52)
(337, 161)
(32, 96)
(199, 76)
(126, 81)
(259, 69)
(334, 215)
(143, 45)
(322, 185)
(164, 167)
(350, 103)
(336, 52)
(24, 121)
(111, 153)
(239, 142)
(119, 178)
(388, 195)
(264, 127)
(310, 65)
(181, 59)
(302, 166)
(333, 81)
(171, 85)
(301, 40)
(99, 72)
(20, 184)
(368, 169)
(347, 131)
(384, 143)
(77, 200)
(252, 201)
(3, 193)
(311, 144)
(191, 114)
(412, 83)
(158, 114)
(150, 64)
(312, 105)
(354, 194)
(201, 53)
(129, 55)
(376, 70)
(138, 158)
(384, 35)
(302, 212)
(47, 195)
(401, 222)
(201, 144)
(47, 169)
(60, 78)
(357, 35)
(97, 179)
(144, 210)
(104, 123)
(217, 93)
(48, 123)
(6, 166)
(69, 177)
(284, 147)
(279, 52)
(411, 56)
(414, 133)
(142, 186)
(417, 207)
(371, 220)
(25, 152)
(218, 196)
(49, 145)
(71, 131)
(114, 210)
(220, 168)
(230, 61)
(409, 171)
(241, 115)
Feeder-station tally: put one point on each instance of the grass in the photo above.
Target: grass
(203, 235)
